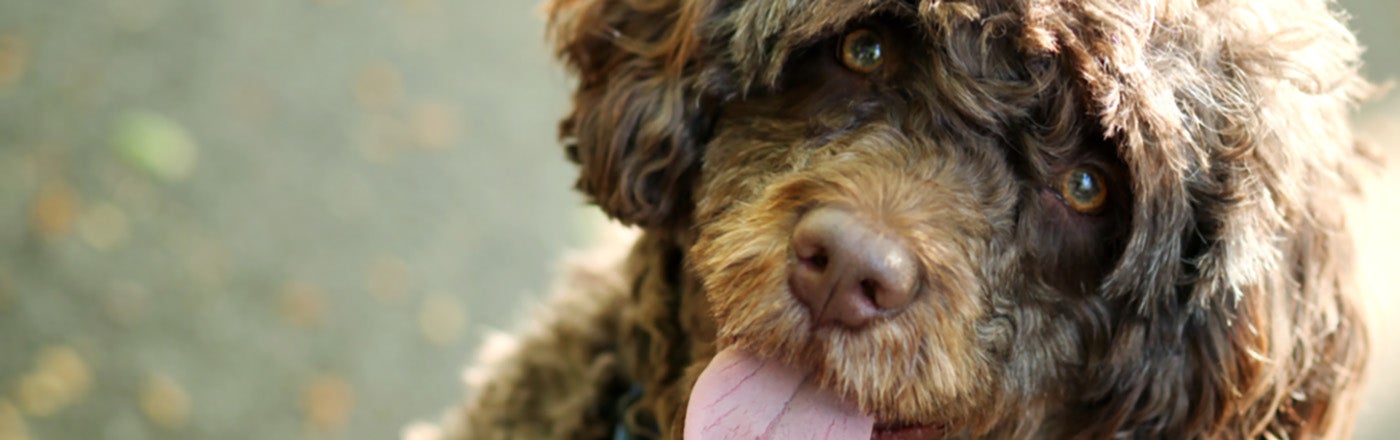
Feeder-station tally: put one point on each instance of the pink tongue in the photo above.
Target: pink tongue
(740, 396)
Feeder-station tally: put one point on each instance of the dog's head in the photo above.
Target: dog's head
(1094, 218)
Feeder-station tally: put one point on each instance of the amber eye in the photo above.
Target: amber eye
(1083, 190)
(862, 51)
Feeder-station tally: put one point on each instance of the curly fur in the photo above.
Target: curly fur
(1214, 298)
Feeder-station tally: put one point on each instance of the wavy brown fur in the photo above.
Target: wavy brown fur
(1212, 299)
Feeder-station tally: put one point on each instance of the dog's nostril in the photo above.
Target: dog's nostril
(816, 262)
(870, 289)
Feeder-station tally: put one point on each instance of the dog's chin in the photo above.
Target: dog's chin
(745, 395)
(834, 362)
(899, 431)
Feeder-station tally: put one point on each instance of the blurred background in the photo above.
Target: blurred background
(288, 219)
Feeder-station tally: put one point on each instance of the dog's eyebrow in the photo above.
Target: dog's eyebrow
(767, 31)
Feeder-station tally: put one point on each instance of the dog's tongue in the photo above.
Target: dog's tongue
(740, 396)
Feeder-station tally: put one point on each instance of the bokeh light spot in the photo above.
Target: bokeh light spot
(103, 226)
(302, 304)
(53, 210)
(421, 431)
(378, 88)
(40, 393)
(442, 318)
(155, 144)
(59, 378)
(436, 125)
(388, 279)
(327, 401)
(12, 426)
(14, 59)
(164, 402)
(69, 367)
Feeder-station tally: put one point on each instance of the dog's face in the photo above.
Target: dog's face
(990, 217)
(921, 218)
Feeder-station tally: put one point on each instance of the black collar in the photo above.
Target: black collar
(623, 403)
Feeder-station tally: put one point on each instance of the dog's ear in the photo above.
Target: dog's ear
(1237, 138)
(637, 122)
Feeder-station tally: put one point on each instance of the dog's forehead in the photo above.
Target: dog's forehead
(758, 35)
(807, 18)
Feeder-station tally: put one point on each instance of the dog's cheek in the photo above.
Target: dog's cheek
(742, 263)
(1064, 250)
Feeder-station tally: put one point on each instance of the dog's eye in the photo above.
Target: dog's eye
(1083, 190)
(862, 50)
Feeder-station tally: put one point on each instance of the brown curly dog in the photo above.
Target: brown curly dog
(919, 219)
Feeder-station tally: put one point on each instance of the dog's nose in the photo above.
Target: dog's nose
(847, 272)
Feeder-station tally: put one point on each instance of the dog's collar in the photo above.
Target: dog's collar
(623, 403)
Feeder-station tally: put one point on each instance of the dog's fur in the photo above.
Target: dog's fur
(1212, 298)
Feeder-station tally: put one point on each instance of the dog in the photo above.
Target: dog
(924, 219)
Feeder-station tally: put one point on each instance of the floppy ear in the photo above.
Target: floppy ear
(1237, 137)
(637, 122)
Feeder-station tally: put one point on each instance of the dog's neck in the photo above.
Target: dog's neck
(665, 329)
